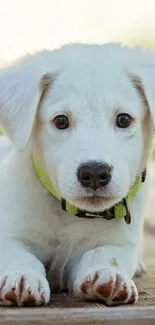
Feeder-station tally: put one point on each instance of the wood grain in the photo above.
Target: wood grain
(75, 316)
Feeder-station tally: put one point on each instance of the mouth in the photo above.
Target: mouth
(95, 200)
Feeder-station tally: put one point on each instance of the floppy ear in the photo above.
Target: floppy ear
(143, 79)
(21, 88)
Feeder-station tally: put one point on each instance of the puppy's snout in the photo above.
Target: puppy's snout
(94, 175)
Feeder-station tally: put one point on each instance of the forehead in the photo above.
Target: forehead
(93, 79)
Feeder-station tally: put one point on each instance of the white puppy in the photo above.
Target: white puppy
(79, 135)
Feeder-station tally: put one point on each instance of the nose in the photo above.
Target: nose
(94, 175)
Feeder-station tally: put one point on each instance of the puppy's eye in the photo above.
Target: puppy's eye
(123, 120)
(61, 122)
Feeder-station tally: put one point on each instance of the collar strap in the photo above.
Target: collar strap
(120, 210)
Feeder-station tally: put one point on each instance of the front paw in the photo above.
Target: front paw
(24, 289)
(106, 284)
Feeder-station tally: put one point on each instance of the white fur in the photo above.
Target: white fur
(91, 84)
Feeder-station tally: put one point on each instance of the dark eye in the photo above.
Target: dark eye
(123, 120)
(61, 122)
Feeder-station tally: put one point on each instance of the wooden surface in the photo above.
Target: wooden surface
(83, 316)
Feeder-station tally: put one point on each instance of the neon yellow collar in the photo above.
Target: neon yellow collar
(120, 210)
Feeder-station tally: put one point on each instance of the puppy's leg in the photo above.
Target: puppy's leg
(105, 273)
(22, 276)
(141, 268)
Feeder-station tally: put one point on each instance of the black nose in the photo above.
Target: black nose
(94, 175)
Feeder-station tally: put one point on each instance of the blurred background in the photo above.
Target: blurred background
(30, 25)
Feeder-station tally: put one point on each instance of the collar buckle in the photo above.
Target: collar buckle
(107, 214)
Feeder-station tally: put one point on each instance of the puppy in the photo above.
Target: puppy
(73, 172)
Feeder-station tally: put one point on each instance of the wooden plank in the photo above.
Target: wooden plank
(76, 316)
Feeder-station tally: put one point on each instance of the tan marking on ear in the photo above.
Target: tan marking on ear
(141, 91)
(45, 81)
(146, 124)
(137, 82)
(147, 132)
(44, 86)
(38, 124)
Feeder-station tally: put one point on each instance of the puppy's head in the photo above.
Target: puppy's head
(87, 111)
